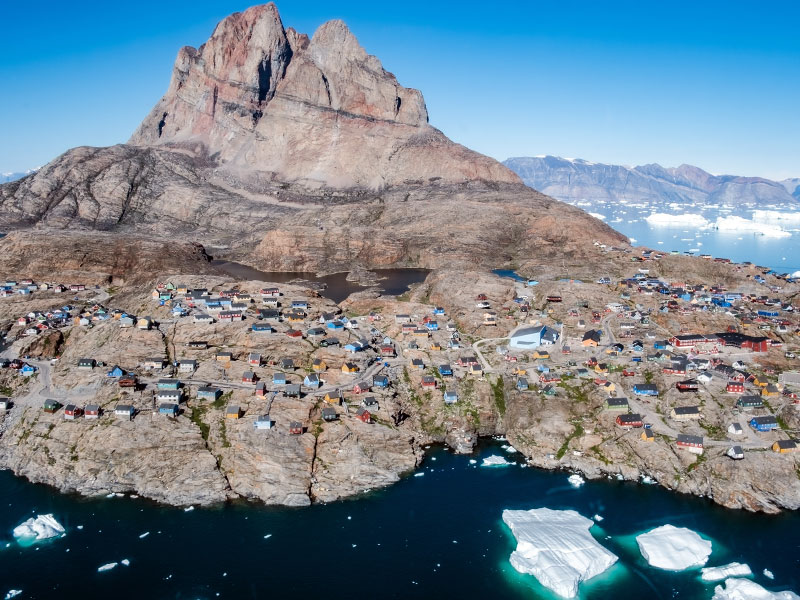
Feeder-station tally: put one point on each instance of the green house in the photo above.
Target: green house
(617, 404)
(51, 406)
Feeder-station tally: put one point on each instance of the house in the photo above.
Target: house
(319, 365)
(168, 396)
(72, 412)
(445, 370)
(334, 397)
(168, 409)
(361, 387)
(311, 380)
(233, 412)
(329, 414)
(450, 397)
(522, 384)
(616, 404)
(124, 411)
(315, 332)
(591, 338)
(5, 404)
(116, 372)
(144, 323)
(784, 446)
(387, 350)
(287, 363)
(748, 402)
(417, 363)
(203, 318)
(541, 354)
(155, 363)
(362, 414)
(263, 422)
(735, 452)
(370, 403)
(261, 327)
(86, 364)
(168, 384)
(691, 443)
(349, 367)
(295, 428)
(129, 381)
(223, 356)
(685, 413)
(294, 333)
(92, 411)
(380, 381)
(261, 389)
(208, 393)
(126, 321)
(648, 436)
(475, 369)
(770, 391)
(187, 365)
(254, 359)
(735, 429)
(27, 370)
(735, 387)
(279, 379)
(690, 385)
(704, 377)
(292, 390)
(248, 377)
(765, 423)
(428, 381)
(645, 389)
(629, 420)
(51, 406)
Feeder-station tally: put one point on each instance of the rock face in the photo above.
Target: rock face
(575, 180)
(289, 152)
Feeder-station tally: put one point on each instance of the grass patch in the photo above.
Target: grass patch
(223, 400)
(648, 377)
(499, 393)
(223, 434)
(577, 432)
(197, 418)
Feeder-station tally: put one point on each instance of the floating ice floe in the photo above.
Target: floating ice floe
(38, 529)
(144, 535)
(555, 546)
(768, 574)
(673, 548)
(744, 589)
(125, 562)
(665, 219)
(598, 216)
(510, 449)
(188, 509)
(733, 223)
(419, 474)
(648, 480)
(12, 594)
(777, 217)
(597, 518)
(472, 461)
(733, 569)
(495, 461)
(576, 480)
(106, 567)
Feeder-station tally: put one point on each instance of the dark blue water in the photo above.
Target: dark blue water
(438, 535)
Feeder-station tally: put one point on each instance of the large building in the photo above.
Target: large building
(528, 338)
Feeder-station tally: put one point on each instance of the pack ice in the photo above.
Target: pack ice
(40, 528)
(673, 548)
(555, 546)
(744, 589)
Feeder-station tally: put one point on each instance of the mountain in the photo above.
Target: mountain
(292, 153)
(8, 177)
(575, 180)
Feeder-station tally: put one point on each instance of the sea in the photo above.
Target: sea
(767, 236)
(438, 533)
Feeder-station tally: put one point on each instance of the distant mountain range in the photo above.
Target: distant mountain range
(575, 180)
(7, 177)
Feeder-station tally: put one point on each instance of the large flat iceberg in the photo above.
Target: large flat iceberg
(744, 589)
(555, 546)
(733, 569)
(686, 219)
(673, 548)
(495, 461)
(739, 225)
(38, 529)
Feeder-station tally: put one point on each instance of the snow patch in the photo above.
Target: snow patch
(555, 546)
(495, 461)
(733, 569)
(38, 529)
(673, 548)
(744, 589)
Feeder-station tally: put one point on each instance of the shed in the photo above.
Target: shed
(233, 412)
(72, 412)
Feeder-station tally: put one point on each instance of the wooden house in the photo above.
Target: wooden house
(168, 409)
(254, 359)
(208, 393)
(349, 367)
(233, 412)
(295, 428)
(312, 380)
(620, 404)
(319, 365)
(51, 406)
(764, 423)
(329, 414)
(124, 411)
(263, 422)
(92, 411)
(749, 402)
(334, 397)
(72, 412)
(292, 390)
(735, 387)
(784, 446)
(86, 364)
(248, 377)
(629, 420)
(362, 414)
(648, 435)
(428, 381)
(450, 397)
(691, 443)
(685, 413)
(735, 452)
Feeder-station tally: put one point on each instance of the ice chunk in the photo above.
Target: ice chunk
(144, 535)
(575, 480)
(673, 548)
(418, 474)
(106, 567)
(38, 529)
(510, 449)
(12, 594)
(665, 219)
(597, 518)
(733, 569)
(555, 546)
(494, 461)
(188, 509)
(768, 574)
(744, 589)
(740, 224)
(125, 562)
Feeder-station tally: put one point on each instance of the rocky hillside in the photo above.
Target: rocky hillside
(288, 152)
(575, 180)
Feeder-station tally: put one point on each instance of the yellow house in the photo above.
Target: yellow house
(601, 368)
(520, 371)
(436, 346)
(475, 369)
(647, 435)
(610, 387)
(349, 368)
(760, 383)
(296, 318)
(784, 446)
(541, 354)
(334, 397)
(233, 412)
(770, 391)
(319, 365)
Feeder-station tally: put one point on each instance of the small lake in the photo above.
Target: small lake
(335, 287)
(436, 535)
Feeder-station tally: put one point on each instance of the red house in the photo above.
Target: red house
(735, 387)
(249, 377)
(387, 350)
(687, 386)
(296, 428)
(360, 388)
(294, 333)
(629, 420)
(72, 412)
(363, 415)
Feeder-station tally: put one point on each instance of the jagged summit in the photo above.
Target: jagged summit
(318, 112)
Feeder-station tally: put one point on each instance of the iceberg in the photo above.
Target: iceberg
(740, 224)
(673, 548)
(777, 217)
(13, 594)
(768, 574)
(555, 546)
(733, 569)
(106, 567)
(666, 219)
(744, 589)
(494, 461)
(43, 527)
(575, 480)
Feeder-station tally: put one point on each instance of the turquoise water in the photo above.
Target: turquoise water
(436, 535)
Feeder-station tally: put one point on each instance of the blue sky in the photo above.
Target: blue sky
(715, 84)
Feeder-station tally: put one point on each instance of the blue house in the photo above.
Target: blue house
(303, 304)
(543, 368)
(168, 384)
(522, 384)
(311, 380)
(432, 326)
(335, 325)
(766, 423)
(660, 345)
(168, 408)
(645, 389)
(208, 393)
(445, 370)
(116, 372)
(380, 381)
(450, 397)
(438, 310)
(356, 346)
(27, 370)
(263, 327)
(279, 379)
